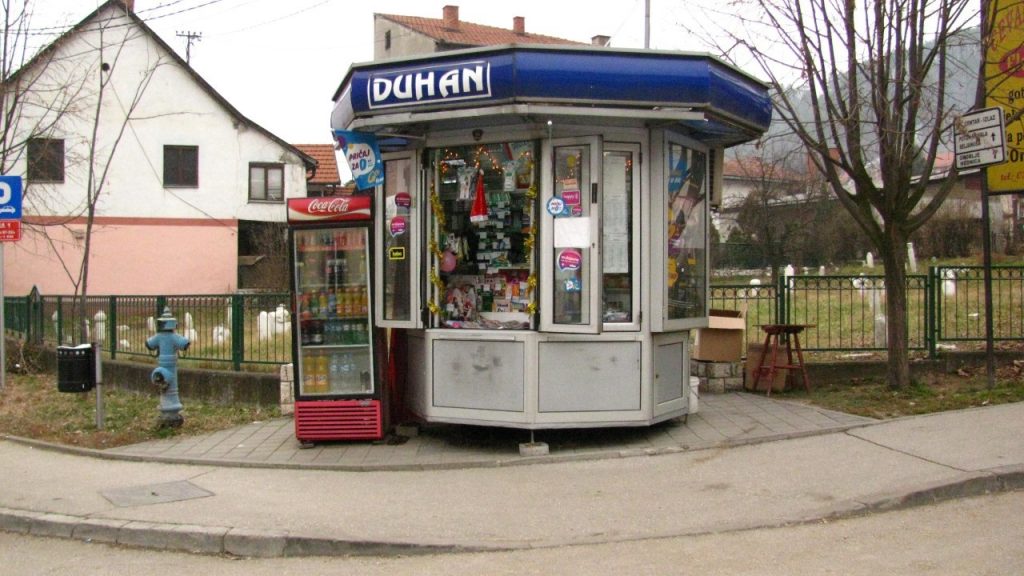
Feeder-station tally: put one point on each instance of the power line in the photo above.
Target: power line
(190, 38)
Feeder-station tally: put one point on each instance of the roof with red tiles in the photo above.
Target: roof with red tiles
(468, 34)
(327, 162)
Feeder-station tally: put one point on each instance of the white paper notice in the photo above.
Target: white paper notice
(572, 232)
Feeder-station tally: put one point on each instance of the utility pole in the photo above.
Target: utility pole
(190, 38)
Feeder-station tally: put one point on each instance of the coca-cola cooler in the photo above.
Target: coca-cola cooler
(336, 391)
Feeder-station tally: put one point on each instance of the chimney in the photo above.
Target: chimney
(600, 40)
(451, 17)
(129, 5)
(519, 25)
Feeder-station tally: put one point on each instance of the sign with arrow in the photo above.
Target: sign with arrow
(980, 139)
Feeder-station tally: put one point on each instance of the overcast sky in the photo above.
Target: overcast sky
(279, 62)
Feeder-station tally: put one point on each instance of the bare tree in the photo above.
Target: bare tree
(77, 94)
(862, 85)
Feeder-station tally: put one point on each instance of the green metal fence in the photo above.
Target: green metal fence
(848, 312)
(250, 330)
(226, 331)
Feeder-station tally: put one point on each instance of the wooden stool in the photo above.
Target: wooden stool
(773, 332)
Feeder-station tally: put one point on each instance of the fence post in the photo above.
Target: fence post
(931, 287)
(237, 331)
(112, 331)
(59, 327)
(781, 295)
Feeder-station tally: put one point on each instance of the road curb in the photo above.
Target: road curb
(223, 540)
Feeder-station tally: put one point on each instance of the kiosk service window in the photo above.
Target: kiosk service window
(483, 230)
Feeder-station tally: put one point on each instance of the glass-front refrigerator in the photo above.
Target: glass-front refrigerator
(337, 396)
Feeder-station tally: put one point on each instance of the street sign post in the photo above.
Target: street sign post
(10, 231)
(980, 139)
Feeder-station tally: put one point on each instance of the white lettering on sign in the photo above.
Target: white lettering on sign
(437, 83)
(329, 206)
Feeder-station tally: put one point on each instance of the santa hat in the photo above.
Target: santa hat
(478, 214)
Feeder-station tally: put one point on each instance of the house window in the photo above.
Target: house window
(266, 182)
(387, 40)
(181, 166)
(45, 160)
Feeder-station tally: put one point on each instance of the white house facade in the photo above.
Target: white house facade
(176, 168)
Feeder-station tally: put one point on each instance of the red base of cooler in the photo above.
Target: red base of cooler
(338, 420)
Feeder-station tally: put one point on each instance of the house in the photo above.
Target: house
(178, 179)
(395, 36)
(324, 180)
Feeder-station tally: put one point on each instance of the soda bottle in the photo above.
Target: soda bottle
(313, 306)
(321, 374)
(323, 303)
(346, 370)
(364, 302)
(334, 376)
(308, 375)
(332, 303)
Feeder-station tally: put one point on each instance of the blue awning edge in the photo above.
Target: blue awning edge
(715, 102)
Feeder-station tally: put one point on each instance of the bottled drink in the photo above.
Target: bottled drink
(346, 370)
(323, 303)
(334, 376)
(308, 376)
(332, 303)
(321, 374)
(364, 302)
(317, 335)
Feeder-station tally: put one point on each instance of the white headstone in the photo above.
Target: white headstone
(911, 258)
(264, 325)
(869, 260)
(101, 324)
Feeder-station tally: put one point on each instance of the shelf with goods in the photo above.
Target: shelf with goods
(484, 230)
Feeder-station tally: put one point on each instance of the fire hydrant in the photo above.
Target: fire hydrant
(165, 376)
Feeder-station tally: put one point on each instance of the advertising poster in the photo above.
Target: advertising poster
(1004, 87)
(363, 156)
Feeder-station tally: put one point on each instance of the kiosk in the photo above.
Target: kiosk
(542, 227)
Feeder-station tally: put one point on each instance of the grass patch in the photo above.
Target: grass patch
(31, 407)
(929, 393)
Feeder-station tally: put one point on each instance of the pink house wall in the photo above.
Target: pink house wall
(139, 256)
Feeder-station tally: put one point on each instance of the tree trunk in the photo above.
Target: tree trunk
(895, 261)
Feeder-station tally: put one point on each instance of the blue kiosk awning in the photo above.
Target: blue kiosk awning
(714, 102)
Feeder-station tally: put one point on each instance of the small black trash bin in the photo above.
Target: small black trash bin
(76, 368)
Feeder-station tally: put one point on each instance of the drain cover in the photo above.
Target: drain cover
(155, 494)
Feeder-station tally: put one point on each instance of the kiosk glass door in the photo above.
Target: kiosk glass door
(572, 282)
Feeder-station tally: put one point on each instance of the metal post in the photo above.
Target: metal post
(931, 288)
(990, 359)
(97, 350)
(3, 329)
(113, 328)
(237, 331)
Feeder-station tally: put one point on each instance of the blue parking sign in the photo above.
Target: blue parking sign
(10, 197)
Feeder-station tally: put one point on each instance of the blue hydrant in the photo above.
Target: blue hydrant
(165, 376)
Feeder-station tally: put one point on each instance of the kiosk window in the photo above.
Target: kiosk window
(686, 251)
(399, 229)
(617, 237)
(483, 232)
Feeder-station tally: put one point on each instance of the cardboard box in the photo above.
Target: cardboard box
(722, 340)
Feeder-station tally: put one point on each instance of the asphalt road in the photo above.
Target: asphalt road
(975, 536)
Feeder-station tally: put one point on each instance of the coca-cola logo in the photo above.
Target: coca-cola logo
(329, 206)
